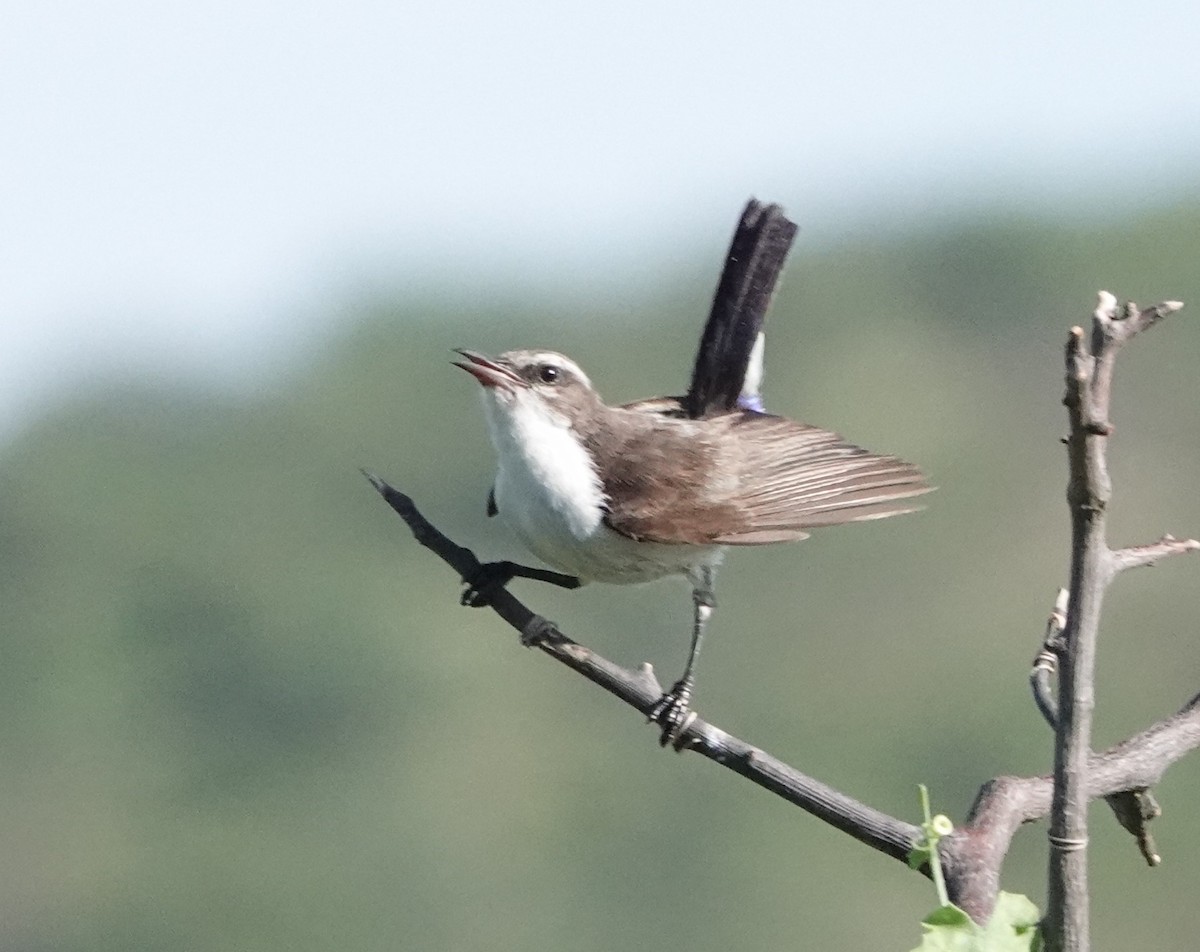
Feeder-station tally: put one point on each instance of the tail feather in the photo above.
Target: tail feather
(732, 336)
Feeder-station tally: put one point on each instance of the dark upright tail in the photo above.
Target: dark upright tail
(760, 244)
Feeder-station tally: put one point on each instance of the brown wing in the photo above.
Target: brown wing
(654, 462)
(751, 479)
(796, 477)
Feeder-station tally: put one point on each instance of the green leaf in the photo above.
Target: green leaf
(948, 916)
(1012, 928)
(948, 929)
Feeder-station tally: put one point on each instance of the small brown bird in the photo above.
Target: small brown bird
(659, 487)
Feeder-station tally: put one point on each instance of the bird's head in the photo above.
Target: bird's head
(528, 383)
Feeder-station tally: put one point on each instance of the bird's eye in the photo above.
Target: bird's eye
(548, 373)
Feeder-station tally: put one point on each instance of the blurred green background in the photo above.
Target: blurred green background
(242, 709)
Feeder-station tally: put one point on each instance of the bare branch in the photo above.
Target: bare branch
(974, 853)
(641, 690)
(1136, 556)
(972, 856)
(1088, 379)
(1134, 321)
(1090, 362)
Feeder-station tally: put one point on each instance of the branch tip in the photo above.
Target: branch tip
(1135, 556)
(1078, 369)
(374, 480)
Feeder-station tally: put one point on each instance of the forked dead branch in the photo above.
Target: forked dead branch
(973, 855)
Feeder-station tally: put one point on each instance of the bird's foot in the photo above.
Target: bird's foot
(491, 577)
(485, 583)
(673, 714)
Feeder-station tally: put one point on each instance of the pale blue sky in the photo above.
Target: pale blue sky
(188, 187)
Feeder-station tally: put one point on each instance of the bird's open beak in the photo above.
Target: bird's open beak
(487, 371)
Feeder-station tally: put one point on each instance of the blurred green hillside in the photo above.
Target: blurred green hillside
(242, 709)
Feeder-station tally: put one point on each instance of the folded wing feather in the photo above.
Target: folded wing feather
(759, 479)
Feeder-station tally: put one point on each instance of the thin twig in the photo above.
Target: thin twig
(641, 690)
(1045, 665)
(1136, 556)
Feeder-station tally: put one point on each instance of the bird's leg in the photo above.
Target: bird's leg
(493, 576)
(671, 712)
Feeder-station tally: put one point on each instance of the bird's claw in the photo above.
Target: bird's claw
(485, 583)
(672, 713)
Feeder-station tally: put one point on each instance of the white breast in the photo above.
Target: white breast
(548, 490)
(546, 476)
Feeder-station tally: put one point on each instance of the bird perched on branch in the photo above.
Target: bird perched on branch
(660, 487)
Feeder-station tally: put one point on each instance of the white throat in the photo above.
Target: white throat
(547, 486)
